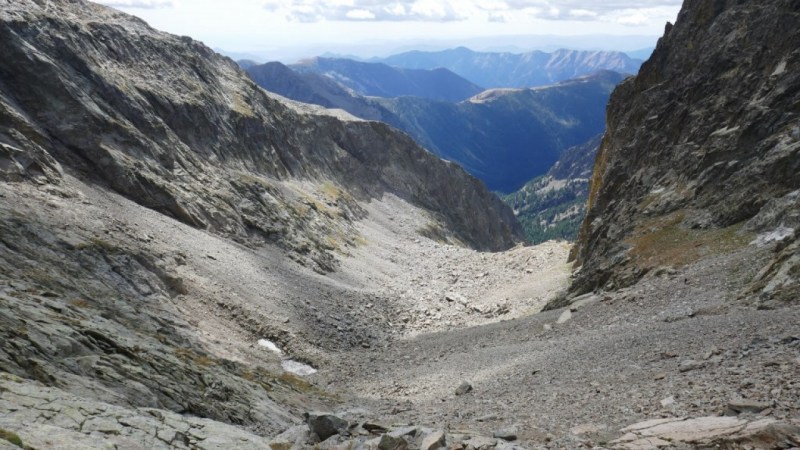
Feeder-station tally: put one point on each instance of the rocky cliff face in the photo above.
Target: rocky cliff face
(702, 150)
(177, 128)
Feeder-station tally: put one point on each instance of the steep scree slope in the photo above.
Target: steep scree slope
(702, 148)
(177, 128)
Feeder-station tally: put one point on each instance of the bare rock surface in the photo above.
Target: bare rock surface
(709, 432)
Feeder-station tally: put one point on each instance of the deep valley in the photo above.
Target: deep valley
(190, 261)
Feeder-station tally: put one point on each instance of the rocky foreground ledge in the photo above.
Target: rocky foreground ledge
(53, 418)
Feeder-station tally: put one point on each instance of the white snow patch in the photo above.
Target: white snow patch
(269, 345)
(297, 368)
(780, 69)
(777, 234)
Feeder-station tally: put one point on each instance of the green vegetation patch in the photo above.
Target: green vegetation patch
(663, 241)
(11, 437)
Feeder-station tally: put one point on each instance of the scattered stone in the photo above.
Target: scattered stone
(565, 316)
(434, 441)
(374, 428)
(660, 376)
(389, 442)
(587, 428)
(481, 442)
(464, 388)
(325, 425)
(737, 407)
(689, 365)
(487, 418)
(668, 401)
(506, 434)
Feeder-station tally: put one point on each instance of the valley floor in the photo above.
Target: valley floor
(395, 331)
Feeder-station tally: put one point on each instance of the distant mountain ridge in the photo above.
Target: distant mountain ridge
(505, 137)
(316, 89)
(516, 70)
(381, 80)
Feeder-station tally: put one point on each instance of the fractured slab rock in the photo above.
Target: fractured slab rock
(709, 431)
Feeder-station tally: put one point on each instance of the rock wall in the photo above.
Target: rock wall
(697, 144)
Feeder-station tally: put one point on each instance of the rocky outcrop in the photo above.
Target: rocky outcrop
(704, 139)
(709, 432)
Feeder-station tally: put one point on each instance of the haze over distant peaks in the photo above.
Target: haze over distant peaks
(535, 68)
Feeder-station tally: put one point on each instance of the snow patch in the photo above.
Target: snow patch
(780, 69)
(269, 345)
(775, 235)
(297, 368)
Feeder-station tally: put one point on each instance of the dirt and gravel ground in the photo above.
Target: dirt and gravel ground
(678, 344)
(406, 320)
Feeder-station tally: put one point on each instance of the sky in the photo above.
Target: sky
(291, 29)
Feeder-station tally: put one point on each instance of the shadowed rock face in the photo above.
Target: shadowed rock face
(698, 143)
(170, 124)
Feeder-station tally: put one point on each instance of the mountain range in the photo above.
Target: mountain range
(516, 70)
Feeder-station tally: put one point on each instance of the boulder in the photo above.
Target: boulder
(464, 388)
(325, 425)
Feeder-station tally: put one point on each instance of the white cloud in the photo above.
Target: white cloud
(635, 19)
(627, 12)
(579, 13)
(360, 14)
(146, 4)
